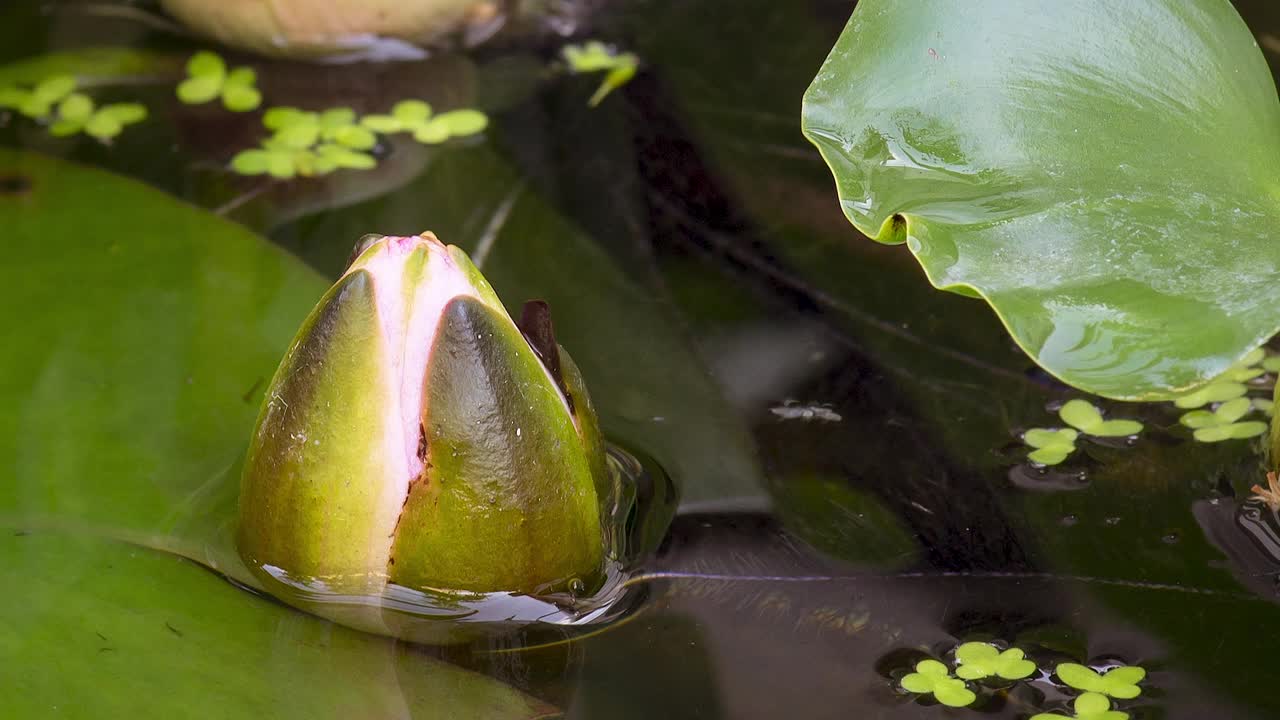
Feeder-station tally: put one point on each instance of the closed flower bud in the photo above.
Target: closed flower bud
(415, 435)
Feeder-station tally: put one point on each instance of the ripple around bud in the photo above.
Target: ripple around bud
(566, 608)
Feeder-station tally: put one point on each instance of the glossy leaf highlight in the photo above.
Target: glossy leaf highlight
(1071, 163)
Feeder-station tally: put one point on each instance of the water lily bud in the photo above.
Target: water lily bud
(414, 435)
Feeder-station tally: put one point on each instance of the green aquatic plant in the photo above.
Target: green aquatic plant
(38, 102)
(1246, 368)
(55, 101)
(416, 117)
(308, 144)
(1215, 392)
(1051, 446)
(595, 56)
(1221, 423)
(283, 161)
(77, 113)
(1056, 173)
(1086, 418)
(208, 79)
(1118, 682)
(303, 128)
(1226, 388)
(932, 677)
(977, 660)
(1089, 706)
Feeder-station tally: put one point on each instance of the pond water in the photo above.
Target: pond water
(840, 444)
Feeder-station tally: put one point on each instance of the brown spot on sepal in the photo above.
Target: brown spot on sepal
(536, 326)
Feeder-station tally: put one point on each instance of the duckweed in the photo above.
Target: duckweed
(208, 79)
(1051, 446)
(1086, 418)
(1089, 706)
(1221, 423)
(977, 660)
(932, 677)
(415, 116)
(1119, 682)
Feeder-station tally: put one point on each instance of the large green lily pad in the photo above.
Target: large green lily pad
(137, 333)
(1104, 174)
(103, 629)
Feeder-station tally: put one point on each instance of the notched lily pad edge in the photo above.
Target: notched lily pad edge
(896, 230)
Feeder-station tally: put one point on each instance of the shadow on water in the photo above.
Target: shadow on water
(846, 441)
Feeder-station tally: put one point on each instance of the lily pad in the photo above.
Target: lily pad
(1064, 162)
(93, 66)
(138, 333)
(112, 622)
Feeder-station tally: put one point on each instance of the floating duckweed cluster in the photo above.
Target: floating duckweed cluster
(302, 142)
(1218, 411)
(208, 80)
(55, 102)
(1089, 706)
(1054, 445)
(307, 144)
(415, 116)
(978, 660)
(1117, 682)
(595, 56)
(1228, 394)
(980, 664)
(933, 678)
(1221, 423)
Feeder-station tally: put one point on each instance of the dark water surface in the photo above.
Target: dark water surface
(853, 491)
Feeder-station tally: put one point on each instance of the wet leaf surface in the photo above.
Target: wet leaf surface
(1069, 170)
(138, 335)
(850, 437)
